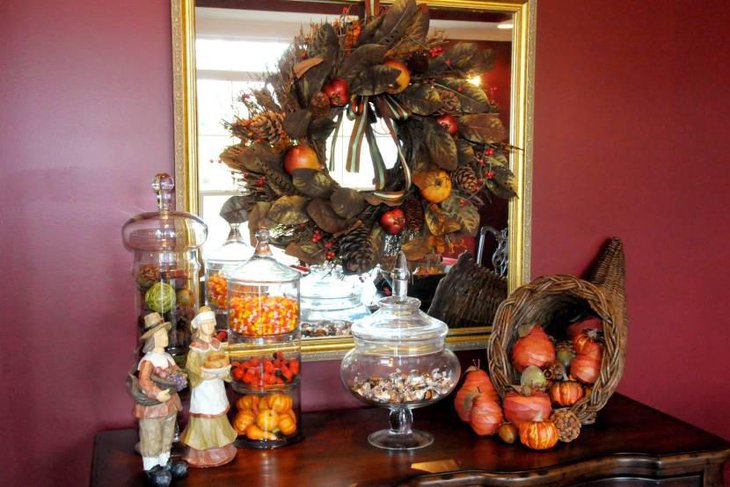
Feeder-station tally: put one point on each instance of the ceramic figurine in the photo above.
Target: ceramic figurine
(209, 435)
(156, 402)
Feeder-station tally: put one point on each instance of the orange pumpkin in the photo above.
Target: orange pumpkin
(253, 432)
(535, 348)
(539, 435)
(267, 420)
(586, 367)
(287, 425)
(248, 402)
(566, 393)
(243, 420)
(585, 342)
(486, 416)
(435, 186)
(520, 409)
(280, 402)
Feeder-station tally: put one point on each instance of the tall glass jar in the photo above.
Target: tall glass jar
(218, 264)
(400, 362)
(265, 345)
(166, 265)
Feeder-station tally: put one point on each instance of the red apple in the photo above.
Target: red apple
(401, 82)
(300, 156)
(337, 92)
(393, 221)
(448, 122)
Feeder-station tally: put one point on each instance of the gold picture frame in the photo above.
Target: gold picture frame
(520, 132)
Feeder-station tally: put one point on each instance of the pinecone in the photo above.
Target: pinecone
(414, 215)
(567, 423)
(319, 105)
(268, 127)
(554, 371)
(449, 102)
(466, 179)
(356, 250)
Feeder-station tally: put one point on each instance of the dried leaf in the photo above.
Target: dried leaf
(265, 100)
(306, 251)
(482, 128)
(347, 202)
(276, 179)
(440, 223)
(499, 161)
(289, 210)
(240, 158)
(504, 191)
(361, 58)
(441, 146)
(325, 42)
(312, 81)
(396, 21)
(465, 151)
(415, 35)
(472, 98)
(296, 124)
(325, 217)
(321, 128)
(463, 59)
(416, 249)
(304, 66)
(464, 212)
(234, 210)
(421, 99)
(313, 183)
(373, 80)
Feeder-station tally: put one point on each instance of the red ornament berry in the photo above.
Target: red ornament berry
(490, 174)
(489, 152)
(448, 122)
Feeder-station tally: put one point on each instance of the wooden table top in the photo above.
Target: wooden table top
(628, 439)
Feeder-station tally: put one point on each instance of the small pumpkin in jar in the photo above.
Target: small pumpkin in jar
(243, 420)
(267, 420)
(287, 425)
(539, 434)
(435, 186)
(566, 393)
(249, 402)
(279, 402)
(253, 432)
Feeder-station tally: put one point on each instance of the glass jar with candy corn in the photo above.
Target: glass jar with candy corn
(265, 345)
(218, 264)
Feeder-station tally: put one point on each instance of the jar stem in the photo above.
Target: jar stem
(401, 420)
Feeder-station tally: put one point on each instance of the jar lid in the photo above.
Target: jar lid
(263, 267)
(399, 318)
(165, 230)
(234, 250)
(328, 282)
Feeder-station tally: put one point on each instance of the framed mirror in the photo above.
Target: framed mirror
(209, 72)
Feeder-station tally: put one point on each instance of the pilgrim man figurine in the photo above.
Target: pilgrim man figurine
(208, 434)
(157, 403)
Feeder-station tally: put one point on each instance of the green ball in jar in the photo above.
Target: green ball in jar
(160, 297)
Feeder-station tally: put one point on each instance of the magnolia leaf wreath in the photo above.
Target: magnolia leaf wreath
(450, 142)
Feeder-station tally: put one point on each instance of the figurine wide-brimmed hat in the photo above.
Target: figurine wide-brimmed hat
(153, 322)
(205, 313)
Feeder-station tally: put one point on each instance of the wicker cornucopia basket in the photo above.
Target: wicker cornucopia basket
(556, 301)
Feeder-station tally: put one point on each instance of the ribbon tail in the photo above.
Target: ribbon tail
(396, 196)
(358, 131)
(376, 157)
(331, 162)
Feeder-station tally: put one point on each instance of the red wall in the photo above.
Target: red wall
(631, 109)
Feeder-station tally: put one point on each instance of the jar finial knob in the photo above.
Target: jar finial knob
(400, 277)
(163, 184)
(262, 243)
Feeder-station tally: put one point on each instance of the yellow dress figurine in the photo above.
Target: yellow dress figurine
(209, 435)
(154, 388)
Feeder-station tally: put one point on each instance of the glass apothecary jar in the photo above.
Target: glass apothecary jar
(331, 302)
(218, 264)
(400, 362)
(166, 266)
(265, 344)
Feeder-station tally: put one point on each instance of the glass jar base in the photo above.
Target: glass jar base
(390, 440)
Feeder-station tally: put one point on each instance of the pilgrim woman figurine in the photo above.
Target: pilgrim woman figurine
(208, 434)
(157, 403)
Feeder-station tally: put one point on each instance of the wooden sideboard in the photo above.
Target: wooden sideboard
(630, 444)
